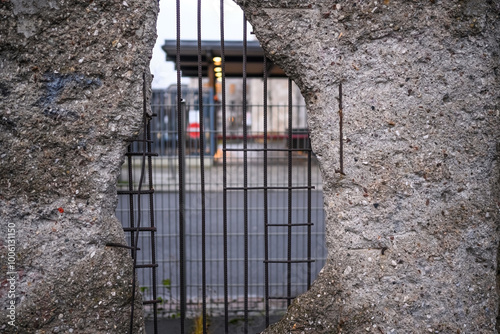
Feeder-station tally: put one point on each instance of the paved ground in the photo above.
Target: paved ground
(236, 325)
(165, 183)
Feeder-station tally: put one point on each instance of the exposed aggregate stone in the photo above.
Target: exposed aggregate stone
(71, 82)
(412, 226)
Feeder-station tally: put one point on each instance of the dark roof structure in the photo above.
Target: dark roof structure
(233, 58)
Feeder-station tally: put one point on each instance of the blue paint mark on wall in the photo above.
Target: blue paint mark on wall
(61, 89)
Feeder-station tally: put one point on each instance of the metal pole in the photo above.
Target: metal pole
(212, 116)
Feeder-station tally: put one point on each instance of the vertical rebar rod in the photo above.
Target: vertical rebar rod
(152, 225)
(341, 124)
(266, 202)
(289, 248)
(181, 153)
(135, 242)
(309, 209)
(245, 171)
(202, 176)
(224, 169)
(131, 196)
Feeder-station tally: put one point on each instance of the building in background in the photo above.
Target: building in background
(164, 101)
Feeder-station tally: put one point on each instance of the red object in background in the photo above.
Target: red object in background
(193, 130)
(61, 210)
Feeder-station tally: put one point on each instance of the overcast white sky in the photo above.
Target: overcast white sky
(164, 73)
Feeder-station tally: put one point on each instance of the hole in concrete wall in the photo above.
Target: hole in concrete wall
(266, 140)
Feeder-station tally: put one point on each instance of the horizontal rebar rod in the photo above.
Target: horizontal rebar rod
(288, 261)
(148, 154)
(135, 192)
(267, 150)
(268, 188)
(299, 224)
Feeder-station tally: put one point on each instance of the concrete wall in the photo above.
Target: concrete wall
(412, 226)
(70, 96)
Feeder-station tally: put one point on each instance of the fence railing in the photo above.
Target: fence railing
(237, 199)
(164, 126)
(166, 203)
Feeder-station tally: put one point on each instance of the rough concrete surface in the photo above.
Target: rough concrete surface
(412, 226)
(71, 81)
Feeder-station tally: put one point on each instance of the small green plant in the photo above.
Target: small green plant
(167, 283)
(235, 321)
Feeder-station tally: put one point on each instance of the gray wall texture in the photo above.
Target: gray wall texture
(412, 226)
(70, 96)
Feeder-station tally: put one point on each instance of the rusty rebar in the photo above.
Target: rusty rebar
(341, 133)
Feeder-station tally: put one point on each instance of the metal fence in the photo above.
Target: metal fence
(237, 203)
(165, 181)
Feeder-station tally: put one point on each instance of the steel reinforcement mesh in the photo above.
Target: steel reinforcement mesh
(237, 208)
